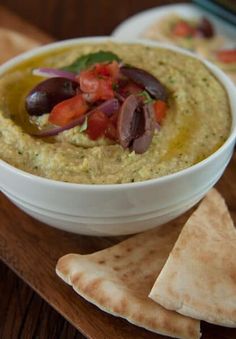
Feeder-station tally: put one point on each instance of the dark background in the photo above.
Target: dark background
(75, 18)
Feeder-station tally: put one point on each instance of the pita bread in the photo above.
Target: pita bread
(13, 43)
(199, 277)
(119, 279)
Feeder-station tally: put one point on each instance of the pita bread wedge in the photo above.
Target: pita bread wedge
(119, 279)
(13, 43)
(199, 277)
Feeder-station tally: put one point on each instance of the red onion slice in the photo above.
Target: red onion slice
(108, 107)
(52, 72)
(157, 126)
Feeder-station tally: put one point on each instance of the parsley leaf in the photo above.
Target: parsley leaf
(146, 95)
(88, 60)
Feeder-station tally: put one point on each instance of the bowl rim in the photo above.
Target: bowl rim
(218, 73)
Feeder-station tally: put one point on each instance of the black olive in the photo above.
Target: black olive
(205, 29)
(142, 142)
(43, 97)
(126, 124)
(146, 80)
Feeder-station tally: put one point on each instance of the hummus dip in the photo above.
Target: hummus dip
(162, 30)
(206, 47)
(197, 122)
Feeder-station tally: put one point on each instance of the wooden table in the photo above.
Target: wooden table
(67, 19)
(23, 313)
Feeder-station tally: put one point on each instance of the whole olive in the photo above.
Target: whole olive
(126, 124)
(142, 142)
(205, 29)
(146, 80)
(43, 97)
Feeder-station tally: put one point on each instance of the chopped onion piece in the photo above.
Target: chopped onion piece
(53, 72)
(109, 107)
(157, 126)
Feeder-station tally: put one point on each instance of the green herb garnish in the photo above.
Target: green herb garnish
(115, 86)
(84, 126)
(146, 95)
(90, 59)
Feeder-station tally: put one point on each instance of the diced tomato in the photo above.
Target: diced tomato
(105, 90)
(108, 70)
(68, 110)
(97, 82)
(183, 29)
(102, 70)
(98, 86)
(227, 56)
(89, 82)
(114, 70)
(160, 108)
(111, 131)
(97, 124)
(100, 125)
(114, 118)
(130, 88)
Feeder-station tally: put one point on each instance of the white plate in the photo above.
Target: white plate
(134, 26)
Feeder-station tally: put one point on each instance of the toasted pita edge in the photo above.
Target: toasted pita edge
(178, 305)
(64, 270)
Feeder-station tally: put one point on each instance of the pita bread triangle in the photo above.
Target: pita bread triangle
(119, 279)
(199, 277)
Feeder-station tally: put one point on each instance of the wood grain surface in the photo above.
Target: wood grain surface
(31, 249)
(13, 22)
(24, 314)
(72, 18)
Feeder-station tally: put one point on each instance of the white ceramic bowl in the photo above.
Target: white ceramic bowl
(122, 208)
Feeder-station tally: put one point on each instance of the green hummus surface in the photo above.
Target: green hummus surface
(198, 121)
